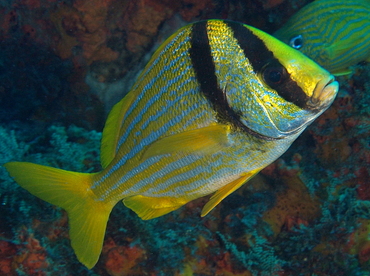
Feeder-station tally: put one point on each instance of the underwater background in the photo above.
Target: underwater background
(64, 64)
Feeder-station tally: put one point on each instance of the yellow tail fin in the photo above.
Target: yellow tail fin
(71, 191)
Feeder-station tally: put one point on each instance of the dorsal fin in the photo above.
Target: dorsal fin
(111, 131)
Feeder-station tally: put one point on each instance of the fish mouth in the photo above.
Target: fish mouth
(324, 93)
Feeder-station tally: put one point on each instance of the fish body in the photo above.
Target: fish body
(217, 102)
(335, 34)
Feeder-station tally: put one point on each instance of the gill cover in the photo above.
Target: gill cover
(275, 90)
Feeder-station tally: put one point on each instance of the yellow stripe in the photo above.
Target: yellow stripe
(137, 134)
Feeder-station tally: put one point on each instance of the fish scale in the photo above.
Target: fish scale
(217, 102)
(158, 129)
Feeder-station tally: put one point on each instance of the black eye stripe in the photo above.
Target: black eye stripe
(261, 57)
(274, 75)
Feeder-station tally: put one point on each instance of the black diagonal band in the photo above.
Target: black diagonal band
(204, 67)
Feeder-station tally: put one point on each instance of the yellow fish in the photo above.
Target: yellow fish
(335, 34)
(217, 102)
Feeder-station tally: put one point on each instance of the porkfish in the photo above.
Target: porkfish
(217, 102)
(335, 34)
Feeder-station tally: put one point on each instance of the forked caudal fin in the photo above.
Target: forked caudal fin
(70, 191)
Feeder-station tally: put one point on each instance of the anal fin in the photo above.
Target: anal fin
(226, 190)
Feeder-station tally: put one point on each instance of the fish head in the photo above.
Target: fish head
(286, 93)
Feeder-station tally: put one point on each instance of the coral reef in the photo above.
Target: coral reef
(305, 214)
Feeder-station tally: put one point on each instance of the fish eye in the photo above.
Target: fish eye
(274, 75)
(296, 42)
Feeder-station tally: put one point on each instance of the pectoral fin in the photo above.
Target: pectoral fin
(342, 72)
(152, 207)
(338, 48)
(206, 140)
(226, 190)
